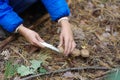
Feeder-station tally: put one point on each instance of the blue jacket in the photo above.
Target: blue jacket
(10, 20)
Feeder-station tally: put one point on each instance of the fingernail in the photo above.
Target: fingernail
(66, 54)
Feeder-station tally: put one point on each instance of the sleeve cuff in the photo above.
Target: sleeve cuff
(63, 18)
(16, 30)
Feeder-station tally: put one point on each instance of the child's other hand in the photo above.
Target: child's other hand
(66, 37)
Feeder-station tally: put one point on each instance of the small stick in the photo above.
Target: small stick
(6, 41)
(20, 55)
(64, 70)
(102, 75)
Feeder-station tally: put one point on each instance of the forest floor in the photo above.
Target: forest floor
(96, 26)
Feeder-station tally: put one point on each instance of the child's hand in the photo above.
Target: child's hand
(66, 37)
(31, 36)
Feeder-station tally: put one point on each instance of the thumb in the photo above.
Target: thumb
(40, 40)
(61, 41)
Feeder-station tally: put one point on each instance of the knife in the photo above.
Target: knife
(50, 46)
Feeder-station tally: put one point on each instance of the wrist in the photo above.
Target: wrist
(63, 19)
(65, 24)
(21, 29)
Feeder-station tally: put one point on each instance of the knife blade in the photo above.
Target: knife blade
(50, 46)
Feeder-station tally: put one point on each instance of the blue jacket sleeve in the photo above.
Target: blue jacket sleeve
(9, 20)
(57, 8)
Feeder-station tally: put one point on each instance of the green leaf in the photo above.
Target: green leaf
(42, 70)
(10, 70)
(26, 70)
(35, 64)
(114, 75)
(23, 70)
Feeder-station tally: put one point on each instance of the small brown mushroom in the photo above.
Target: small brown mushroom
(85, 53)
(61, 49)
(76, 52)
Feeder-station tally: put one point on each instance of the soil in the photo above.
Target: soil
(96, 27)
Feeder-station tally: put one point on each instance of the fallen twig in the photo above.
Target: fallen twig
(6, 41)
(20, 55)
(64, 70)
(101, 77)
